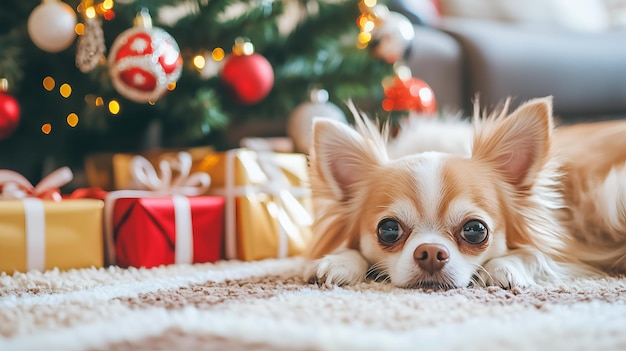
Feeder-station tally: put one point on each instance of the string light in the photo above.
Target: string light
(367, 21)
(90, 12)
(48, 83)
(171, 86)
(114, 107)
(79, 29)
(199, 62)
(364, 38)
(46, 128)
(369, 3)
(99, 101)
(65, 90)
(72, 119)
(218, 54)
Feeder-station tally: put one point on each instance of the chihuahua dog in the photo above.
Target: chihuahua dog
(508, 200)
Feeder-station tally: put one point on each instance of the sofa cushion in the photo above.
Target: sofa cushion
(585, 72)
(436, 58)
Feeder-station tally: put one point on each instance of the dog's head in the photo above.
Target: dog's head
(429, 219)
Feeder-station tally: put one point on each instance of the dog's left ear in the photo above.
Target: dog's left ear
(342, 156)
(517, 145)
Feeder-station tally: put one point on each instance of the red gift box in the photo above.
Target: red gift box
(144, 230)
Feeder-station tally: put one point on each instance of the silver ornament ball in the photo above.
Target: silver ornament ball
(51, 26)
(393, 37)
(300, 122)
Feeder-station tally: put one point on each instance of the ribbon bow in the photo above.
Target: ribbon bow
(16, 186)
(146, 177)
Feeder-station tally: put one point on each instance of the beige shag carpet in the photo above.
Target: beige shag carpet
(267, 306)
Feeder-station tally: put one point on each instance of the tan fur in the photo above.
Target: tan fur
(590, 152)
(556, 200)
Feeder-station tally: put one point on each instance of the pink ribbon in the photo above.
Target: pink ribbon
(16, 186)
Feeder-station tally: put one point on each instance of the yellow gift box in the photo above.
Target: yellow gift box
(69, 236)
(268, 204)
(111, 171)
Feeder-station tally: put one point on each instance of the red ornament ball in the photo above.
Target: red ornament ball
(9, 115)
(142, 63)
(410, 94)
(250, 77)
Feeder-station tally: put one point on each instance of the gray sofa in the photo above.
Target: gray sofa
(463, 58)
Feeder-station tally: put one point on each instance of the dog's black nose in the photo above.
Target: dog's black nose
(431, 257)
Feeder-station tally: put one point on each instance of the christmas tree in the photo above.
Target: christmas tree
(68, 112)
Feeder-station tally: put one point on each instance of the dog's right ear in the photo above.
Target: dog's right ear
(342, 156)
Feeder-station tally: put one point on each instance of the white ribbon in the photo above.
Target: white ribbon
(16, 186)
(35, 218)
(151, 184)
(285, 207)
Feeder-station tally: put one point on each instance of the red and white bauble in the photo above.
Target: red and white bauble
(142, 63)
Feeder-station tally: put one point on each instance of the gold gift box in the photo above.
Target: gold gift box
(111, 171)
(265, 220)
(73, 234)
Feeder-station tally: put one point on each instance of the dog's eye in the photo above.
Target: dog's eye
(389, 231)
(474, 232)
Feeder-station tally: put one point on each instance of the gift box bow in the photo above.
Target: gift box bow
(16, 187)
(174, 179)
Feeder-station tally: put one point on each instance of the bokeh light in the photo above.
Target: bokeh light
(65, 90)
(72, 119)
(48, 83)
(107, 4)
(370, 3)
(218, 54)
(79, 29)
(90, 12)
(114, 107)
(199, 62)
(46, 128)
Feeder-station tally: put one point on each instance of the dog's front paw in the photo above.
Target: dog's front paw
(506, 272)
(344, 268)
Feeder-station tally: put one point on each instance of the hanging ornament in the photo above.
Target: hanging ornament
(144, 60)
(51, 26)
(300, 121)
(388, 33)
(247, 74)
(9, 111)
(392, 38)
(404, 92)
(90, 49)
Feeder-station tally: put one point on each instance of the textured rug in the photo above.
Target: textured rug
(267, 306)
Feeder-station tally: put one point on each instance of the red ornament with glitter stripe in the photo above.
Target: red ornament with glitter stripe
(144, 61)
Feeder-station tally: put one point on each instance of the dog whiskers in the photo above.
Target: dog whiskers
(379, 272)
(477, 279)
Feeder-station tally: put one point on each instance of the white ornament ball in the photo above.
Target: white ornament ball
(300, 122)
(393, 37)
(51, 26)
